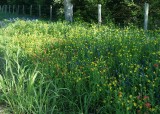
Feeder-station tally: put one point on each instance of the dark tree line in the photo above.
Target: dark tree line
(119, 11)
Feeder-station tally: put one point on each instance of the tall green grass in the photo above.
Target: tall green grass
(80, 68)
(25, 90)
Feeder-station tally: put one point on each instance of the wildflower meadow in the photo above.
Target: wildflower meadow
(78, 68)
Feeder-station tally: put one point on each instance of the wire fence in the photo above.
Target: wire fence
(41, 11)
(95, 13)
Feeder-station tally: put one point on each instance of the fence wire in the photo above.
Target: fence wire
(45, 11)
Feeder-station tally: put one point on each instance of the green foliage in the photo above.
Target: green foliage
(103, 69)
(3, 1)
(117, 11)
(26, 91)
(87, 9)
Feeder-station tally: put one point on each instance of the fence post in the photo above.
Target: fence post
(146, 8)
(13, 8)
(71, 17)
(9, 8)
(99, 14)
(5, 7)
(39, 10)
(2, 8)
(50, 12)
(31, 10)
(23, 10)
(68, 8)
(18, 10)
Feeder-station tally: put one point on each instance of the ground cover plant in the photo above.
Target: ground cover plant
(79, 68)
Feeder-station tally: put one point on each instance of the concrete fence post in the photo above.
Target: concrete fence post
(5, 8)
(68, 9)
(39, 10)
(18, 10)
(9, 8)
(146, 11)
(99, 14)
(51, 12)
(23, 10)
(13, 8)
(30, 10)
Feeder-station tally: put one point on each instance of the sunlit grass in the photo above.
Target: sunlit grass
(103, 69)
